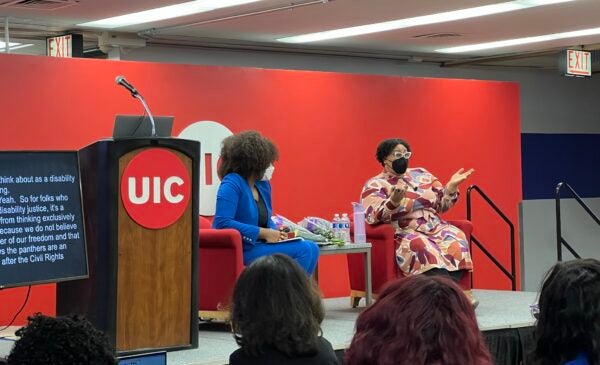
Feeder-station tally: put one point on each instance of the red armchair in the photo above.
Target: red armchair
(220, 262)
(383, 260)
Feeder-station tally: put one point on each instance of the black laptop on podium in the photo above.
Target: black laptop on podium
(132, 126)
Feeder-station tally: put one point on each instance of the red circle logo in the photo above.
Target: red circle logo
(155, 188)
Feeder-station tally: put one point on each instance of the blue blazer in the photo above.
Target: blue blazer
(581, 359)
(237, 209)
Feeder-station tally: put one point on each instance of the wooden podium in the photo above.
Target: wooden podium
(143, 285)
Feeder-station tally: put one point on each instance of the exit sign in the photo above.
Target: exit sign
(65, 46)
(576, 63)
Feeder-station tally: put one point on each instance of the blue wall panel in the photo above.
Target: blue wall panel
(548, 159)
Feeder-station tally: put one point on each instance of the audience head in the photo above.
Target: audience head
(64, 340)
(247, 153)
(276, 306)
(569, 318)
(419, 320)
(386, 147)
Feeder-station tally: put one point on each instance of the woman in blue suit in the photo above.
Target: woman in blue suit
(244, 200)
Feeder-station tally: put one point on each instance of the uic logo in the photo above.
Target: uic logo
(155, 188)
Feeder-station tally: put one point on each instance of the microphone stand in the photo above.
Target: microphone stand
(141, 99)
(120, 80)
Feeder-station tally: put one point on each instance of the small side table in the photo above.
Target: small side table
(351, 248)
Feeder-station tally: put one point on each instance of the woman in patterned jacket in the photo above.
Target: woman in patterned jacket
(411, 199)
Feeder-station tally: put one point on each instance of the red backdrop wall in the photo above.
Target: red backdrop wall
(326, 125)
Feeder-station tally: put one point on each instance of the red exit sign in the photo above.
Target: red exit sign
(578, 63)
(65, 46)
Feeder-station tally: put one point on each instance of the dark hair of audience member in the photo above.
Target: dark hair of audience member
(569, 318)
(276, 306)
(418, 320)
(63, 340)
(247, 154)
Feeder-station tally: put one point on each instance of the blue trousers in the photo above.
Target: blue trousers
(305, 253)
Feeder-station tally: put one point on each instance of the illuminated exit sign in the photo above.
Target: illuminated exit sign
(65, 46)
(576, 63)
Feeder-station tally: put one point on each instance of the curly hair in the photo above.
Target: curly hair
(386, 147)
(248, 154)
(569, 318)
(68, 340)
(419, 320)
(275, 306)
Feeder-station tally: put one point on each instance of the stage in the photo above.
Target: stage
(503, 316)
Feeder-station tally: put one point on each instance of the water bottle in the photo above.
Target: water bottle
(336, 226)
(359, 223)
(345, 227)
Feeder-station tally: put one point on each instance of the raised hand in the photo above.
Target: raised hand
(456, 179)
(397, 193)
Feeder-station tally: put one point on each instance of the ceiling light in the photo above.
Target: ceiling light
(11, 44)
(12, 48)
(166, 12)
(420, 20)
(519, 41)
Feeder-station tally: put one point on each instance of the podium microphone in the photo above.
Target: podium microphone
(120, 80)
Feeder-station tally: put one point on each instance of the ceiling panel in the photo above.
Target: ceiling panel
(263, 30)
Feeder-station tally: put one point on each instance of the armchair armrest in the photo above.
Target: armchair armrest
(220, 238)
(383, 258)
(463, 225)
(220, 263)
(379, 231)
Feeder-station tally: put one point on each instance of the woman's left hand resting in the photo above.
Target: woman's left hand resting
(456, 179)
(270, 235)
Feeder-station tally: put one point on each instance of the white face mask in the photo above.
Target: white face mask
(268, 173)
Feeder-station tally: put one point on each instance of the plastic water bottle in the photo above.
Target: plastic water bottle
(345, 227)
(336, 226)
(359, 223)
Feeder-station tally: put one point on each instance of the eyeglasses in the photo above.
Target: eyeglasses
(405, 155)
(535, 310)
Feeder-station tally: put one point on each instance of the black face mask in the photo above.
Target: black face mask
(400, 165)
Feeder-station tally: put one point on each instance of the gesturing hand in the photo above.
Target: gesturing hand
(397, 193)
(456, 179)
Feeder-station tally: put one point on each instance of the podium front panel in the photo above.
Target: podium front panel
(153, 278)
